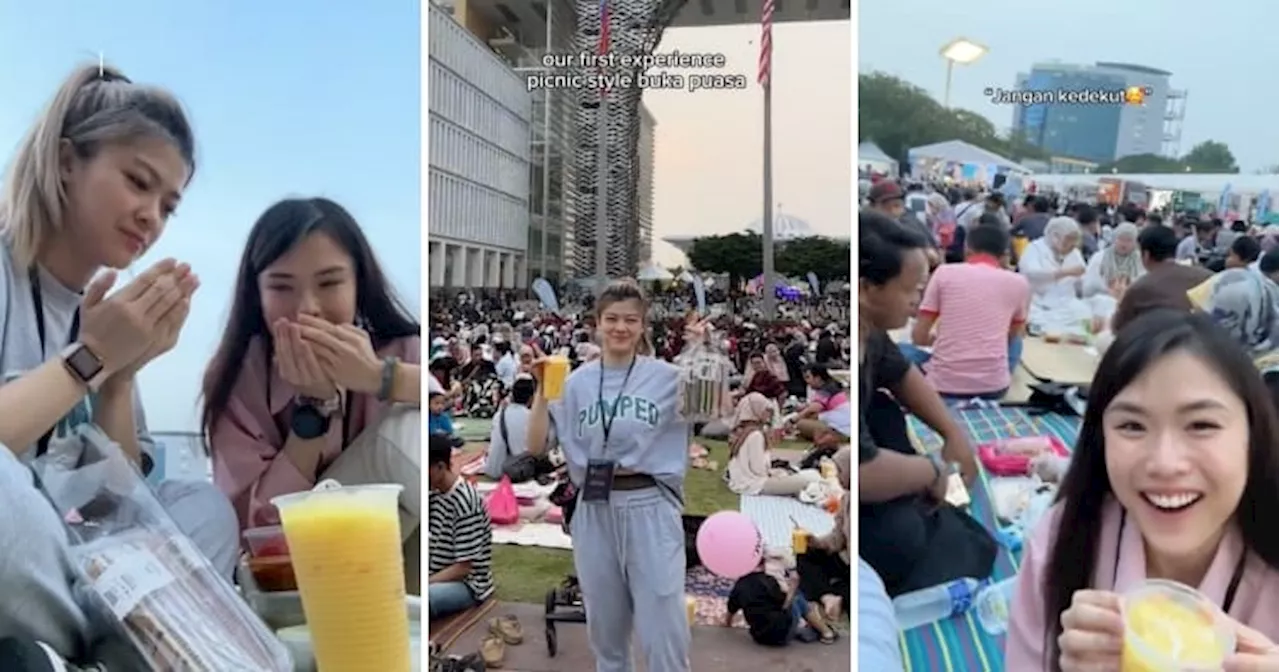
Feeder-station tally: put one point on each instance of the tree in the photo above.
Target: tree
(827, 258)
(1207, 157)
(1211, 157)
(898, 116)
(1143, 163)
(738, 254)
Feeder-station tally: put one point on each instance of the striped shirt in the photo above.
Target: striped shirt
(461, 532)
(975, 304)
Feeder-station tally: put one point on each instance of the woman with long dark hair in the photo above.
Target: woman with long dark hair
(316, 375)
(1174, 477)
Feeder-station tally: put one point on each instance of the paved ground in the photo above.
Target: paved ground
(714, 649)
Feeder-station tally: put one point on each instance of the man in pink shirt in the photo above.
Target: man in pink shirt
(977, 344)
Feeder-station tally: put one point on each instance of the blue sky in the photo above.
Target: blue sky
(288, 98)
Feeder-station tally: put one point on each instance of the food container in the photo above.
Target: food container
(274, 574)
(705, 384)
(1169, 627)
(266, 542)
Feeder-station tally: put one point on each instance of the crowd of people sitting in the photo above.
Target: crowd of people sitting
(1164, 301)
(486, 363)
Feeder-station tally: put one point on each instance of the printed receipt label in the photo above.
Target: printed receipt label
(134, 573)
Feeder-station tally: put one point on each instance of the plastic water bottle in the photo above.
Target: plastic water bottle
(928, 605)
(993, 606)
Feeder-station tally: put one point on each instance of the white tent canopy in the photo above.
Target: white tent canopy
(653, 273)
(958, 151)
(870, 154)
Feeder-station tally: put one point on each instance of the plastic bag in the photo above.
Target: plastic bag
(704, 387)
(141, 574)
(502, 505)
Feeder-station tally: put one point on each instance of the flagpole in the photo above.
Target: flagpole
(766, 221)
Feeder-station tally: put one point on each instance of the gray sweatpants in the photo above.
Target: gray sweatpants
(36, 577)
(629, 555)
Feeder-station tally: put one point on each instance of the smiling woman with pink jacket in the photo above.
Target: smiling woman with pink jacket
(1168, 481)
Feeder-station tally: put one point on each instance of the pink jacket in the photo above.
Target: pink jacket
(246, 441)
(1255, 605)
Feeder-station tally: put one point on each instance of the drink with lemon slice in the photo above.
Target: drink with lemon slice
(1169, 627)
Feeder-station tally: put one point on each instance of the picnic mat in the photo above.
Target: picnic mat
(541, 535)
(473, 429)
(774, 517)
(959, 643)
(711, 593)
(445, 631)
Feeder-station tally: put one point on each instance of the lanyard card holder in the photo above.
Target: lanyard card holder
(599, 480)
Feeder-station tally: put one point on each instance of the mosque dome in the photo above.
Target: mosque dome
(785, 227)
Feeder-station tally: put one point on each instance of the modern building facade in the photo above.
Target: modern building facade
(479, 117)
(1101, 133)
(644, 186)
(563, 175)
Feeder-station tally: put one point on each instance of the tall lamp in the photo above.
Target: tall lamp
(962, 51)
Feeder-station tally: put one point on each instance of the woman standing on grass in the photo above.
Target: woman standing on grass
(627, 450)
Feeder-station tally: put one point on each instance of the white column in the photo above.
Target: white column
(475, 267)
(508, 262)
(436, 264)
(493, 270)
(459, 279)
(522, 279)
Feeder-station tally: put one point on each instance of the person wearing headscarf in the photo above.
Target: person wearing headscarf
(1117, 266)
(773, 358)
(751, 468)
(825, 566)
(1247, 305)
(1054, 267)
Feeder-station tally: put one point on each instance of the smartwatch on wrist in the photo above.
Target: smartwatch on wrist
(82, 363)
(311, 417)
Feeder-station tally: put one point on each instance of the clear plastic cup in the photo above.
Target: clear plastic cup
(345, 546)
(1169, 627)
(554, 372)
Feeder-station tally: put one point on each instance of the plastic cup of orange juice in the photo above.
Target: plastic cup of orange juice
(1169, 627)
(345, 547)
(554, 372)
(799, 541)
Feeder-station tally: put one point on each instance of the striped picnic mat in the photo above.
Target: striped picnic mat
(959, 643)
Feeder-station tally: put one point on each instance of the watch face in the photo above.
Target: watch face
(85, 364)
(308, 423)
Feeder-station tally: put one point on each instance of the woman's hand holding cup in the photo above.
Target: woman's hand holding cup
(1092, 632)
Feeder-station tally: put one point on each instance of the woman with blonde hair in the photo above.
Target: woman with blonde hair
(626, 443)
(92, 185)
(751, 470)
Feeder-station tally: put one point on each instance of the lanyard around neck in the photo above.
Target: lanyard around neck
(37, 302)
(606, 417)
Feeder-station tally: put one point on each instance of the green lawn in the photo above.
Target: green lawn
(524, 574)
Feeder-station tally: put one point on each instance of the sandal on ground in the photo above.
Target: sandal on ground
(507, 628)
(493, 651)
(828, 637)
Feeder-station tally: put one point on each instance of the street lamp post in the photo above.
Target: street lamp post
(962, 51)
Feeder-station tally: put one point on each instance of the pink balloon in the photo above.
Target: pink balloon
(730, 544)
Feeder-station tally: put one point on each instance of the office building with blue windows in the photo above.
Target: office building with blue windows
(1101, 132)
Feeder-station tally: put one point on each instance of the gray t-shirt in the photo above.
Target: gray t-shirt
(647, 434)
(20, 341)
